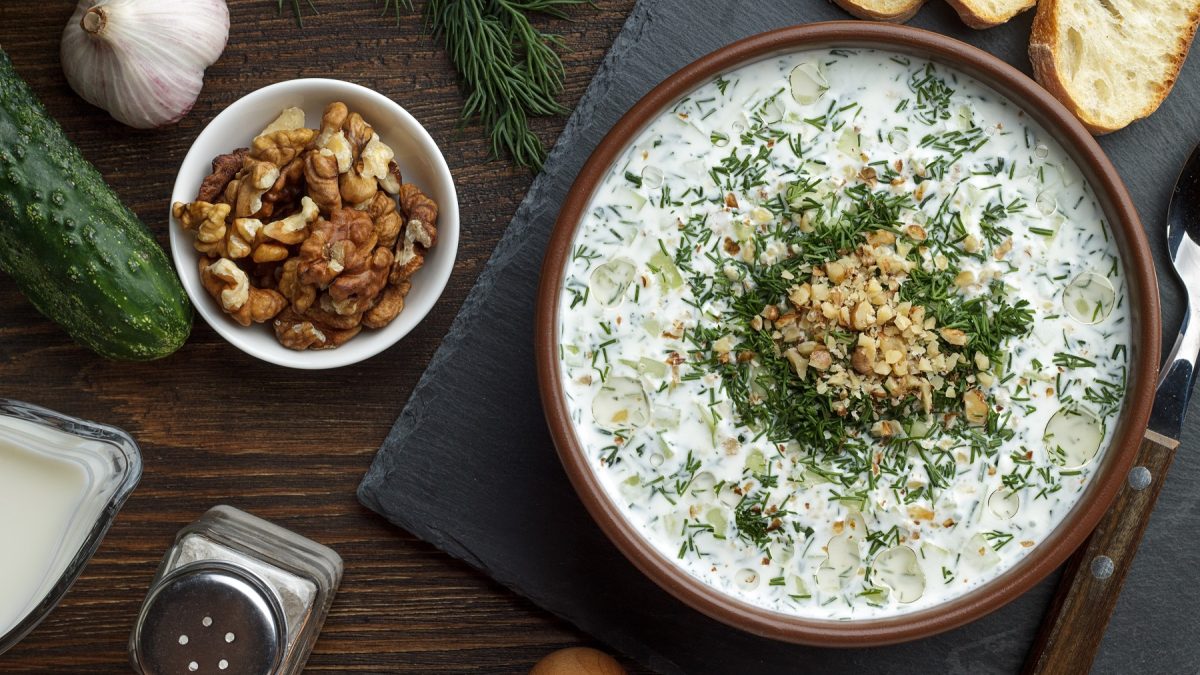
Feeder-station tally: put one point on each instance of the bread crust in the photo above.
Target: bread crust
(978, 19)
(1045, 71)
(863, 9)
(1043, 45)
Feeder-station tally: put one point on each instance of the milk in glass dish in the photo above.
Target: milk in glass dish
(62, 481)
(844, 333)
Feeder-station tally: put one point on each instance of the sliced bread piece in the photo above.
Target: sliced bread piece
(989, 13)
(1111, 61)
(882, 10)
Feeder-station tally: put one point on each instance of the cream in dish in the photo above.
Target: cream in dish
(844, 333)
(41, 493)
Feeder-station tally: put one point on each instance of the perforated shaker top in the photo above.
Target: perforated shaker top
(209, 617)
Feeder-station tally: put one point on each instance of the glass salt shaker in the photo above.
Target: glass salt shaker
(235, 594)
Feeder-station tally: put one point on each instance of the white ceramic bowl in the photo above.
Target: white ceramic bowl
(420, 162)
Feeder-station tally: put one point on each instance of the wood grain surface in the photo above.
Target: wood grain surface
(217, 426)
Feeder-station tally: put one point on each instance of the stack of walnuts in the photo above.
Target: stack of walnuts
(311, 229)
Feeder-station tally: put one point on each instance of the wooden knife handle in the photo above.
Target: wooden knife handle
(1074, 625)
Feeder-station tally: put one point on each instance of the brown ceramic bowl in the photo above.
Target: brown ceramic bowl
(1118, 209)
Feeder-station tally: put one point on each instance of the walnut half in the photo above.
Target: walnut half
(231, 288)
(208, 221)
(296, 332)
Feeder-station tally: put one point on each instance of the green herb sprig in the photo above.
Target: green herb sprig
(298, 9)
(397, 5)
(511, 71)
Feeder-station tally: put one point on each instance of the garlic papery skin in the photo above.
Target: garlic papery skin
(143, 60)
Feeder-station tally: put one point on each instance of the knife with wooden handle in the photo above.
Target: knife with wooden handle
(1074, 626)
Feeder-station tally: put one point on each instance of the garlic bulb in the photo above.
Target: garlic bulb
(143, 60)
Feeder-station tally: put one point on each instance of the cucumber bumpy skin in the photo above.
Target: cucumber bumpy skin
(79, 255)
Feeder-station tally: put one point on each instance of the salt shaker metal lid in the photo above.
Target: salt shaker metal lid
(210, 617)
(235, 594)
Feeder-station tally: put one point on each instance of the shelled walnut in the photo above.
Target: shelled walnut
(312, 230)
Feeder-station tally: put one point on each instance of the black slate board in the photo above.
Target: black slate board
(469, 465)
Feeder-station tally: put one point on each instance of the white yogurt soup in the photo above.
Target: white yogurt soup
(844, 333)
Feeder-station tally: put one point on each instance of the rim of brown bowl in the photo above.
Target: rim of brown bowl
(1143, 298)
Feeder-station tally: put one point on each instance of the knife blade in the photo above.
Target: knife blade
(1074, 625)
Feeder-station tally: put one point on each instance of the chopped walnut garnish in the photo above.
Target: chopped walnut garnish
(894, 350)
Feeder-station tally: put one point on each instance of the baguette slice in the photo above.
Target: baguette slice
(882, 10)
(1111, 61)
(989, 13)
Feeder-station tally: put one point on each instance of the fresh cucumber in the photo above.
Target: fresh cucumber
(81, 256)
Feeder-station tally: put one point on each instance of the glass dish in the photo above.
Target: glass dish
(112, 464)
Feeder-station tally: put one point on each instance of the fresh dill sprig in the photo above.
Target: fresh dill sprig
(998, 539)
(510, 70)
(989, 221)
(756, 522)
(397, 5)
(298, 9)
(933, 95)
(1067, 360)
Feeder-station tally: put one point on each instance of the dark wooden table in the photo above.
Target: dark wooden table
(217, 426)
